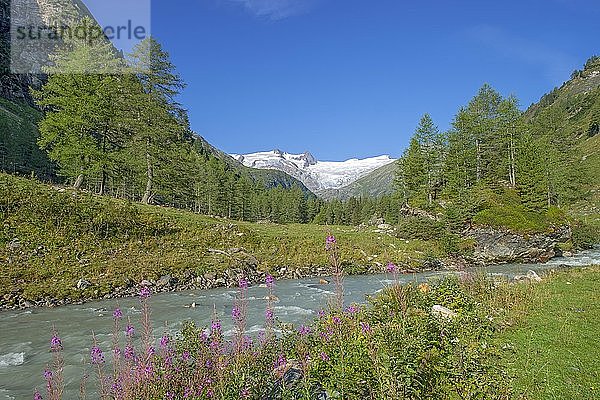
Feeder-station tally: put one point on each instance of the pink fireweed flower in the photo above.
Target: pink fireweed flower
(129, 352)
(243, 284)
(329, 242)
(324, 356)
(185, 356)
(145, 292)
(281, 361)
(269, 315)
(245, 393)
(215, 326)
(117, 314)
(97, 355)
(269, 280)
(164, 342)
(37, 396)
(365, 328)
(391, 268)
(129, 331)
(55, 343)
(236, 314)
(336, 320)
(47, 374)
(353, 309)
(150, 351)
(304, 330)
(148, 370)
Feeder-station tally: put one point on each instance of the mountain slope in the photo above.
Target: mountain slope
(318, 176)
(579, 99)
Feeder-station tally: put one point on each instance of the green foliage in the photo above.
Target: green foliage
(586, 234)
(19, 152)
(422, 228)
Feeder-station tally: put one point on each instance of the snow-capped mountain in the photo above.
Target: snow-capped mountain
(316, 175)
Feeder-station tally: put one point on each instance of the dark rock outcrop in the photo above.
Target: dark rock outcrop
(494, 246)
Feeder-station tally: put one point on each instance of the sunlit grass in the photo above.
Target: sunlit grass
(556, 345)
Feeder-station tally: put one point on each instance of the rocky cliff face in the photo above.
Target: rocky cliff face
(37, 13)
(496, 247)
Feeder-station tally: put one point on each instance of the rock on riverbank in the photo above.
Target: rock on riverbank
(493, 246)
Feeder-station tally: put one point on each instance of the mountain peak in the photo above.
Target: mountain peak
(318, 176)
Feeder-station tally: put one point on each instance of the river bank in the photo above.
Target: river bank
(24, 351)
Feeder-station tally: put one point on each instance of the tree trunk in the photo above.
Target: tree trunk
(512, 172)
(150, 174)
(478, 160)
(103, 182)
(78, 181)
(103, 178)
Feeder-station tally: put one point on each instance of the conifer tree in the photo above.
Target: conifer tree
(82, 100)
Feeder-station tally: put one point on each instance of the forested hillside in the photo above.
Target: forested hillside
(123, 134)
(497, 165)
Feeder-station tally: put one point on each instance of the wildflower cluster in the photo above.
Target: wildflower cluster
(379, 350)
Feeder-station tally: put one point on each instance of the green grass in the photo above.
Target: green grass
(64, 236)
(557, 353)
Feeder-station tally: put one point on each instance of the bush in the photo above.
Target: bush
(585, 234)
(422, 228)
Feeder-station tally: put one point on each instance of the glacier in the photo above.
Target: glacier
(316, 175)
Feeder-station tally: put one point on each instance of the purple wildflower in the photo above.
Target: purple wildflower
(281, 361)
(304, 330)
(129, 331)
(365, 327)
(37, 396)
(352, 309)
(236, 313)
(269, 280)
(129, 352)
(215, 326)
(269, 315)
(97, 355)
(324, 356)
(391, 267)
(145, 292)
(245, 393)
(243, 284)
(47, 374)
(164, 342)
(55, 343)
(148, 369)
(185, 356)
(117, 314)
(321, 313)
(329, 242)
(336, 320)
(151, 351)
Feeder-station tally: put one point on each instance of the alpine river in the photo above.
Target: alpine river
(25, 335)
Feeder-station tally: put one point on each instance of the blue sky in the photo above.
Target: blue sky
(351, 78)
